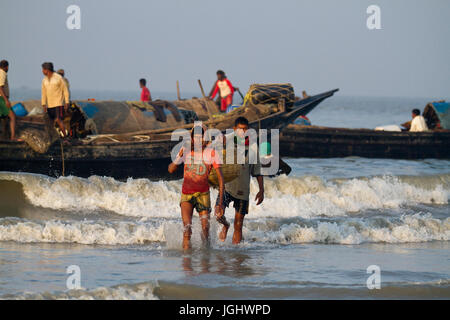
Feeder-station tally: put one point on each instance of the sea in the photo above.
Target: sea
(343, 228)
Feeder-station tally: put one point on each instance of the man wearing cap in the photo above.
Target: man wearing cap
(62, 73)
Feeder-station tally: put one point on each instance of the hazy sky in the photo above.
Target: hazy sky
(315, 45)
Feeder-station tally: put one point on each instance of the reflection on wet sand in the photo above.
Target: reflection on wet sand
(227, 263)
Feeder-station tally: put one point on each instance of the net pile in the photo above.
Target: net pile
(204, 108)
(270, 94)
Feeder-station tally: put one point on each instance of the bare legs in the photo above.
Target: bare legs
(186, 214)
(12, 124)
(226, 225)
(238, 223)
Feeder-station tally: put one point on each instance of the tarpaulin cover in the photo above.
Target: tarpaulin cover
(438, 112)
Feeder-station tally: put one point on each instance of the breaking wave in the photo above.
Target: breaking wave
(306, 197)
(168, 290)
(140, 291)
(404, 229)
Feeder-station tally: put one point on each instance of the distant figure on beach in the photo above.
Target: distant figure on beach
(145, 93)
(54, 96)
(195, 189)
(5, 104)
(238, 190)
(62, 74)
(225, 89)
(418, 123)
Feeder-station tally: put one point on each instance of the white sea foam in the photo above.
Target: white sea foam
(83, 232)
(139, 291)
(407, 228)
(305, 197)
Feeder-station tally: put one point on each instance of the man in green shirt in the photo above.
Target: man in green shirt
(5, 104)
(238, 190)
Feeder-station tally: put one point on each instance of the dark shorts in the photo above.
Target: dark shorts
(56, 112)
(239, 205)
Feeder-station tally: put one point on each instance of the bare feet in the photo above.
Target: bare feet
(223, 233)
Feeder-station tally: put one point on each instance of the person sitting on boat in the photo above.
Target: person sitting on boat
(195, 188)
(54, 96)
(418, 123)
(145, 93)
(226, 91)
(5, 104)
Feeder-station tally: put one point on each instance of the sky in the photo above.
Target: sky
(316, 45)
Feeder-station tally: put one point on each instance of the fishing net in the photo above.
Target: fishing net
(204, 108)
(39, 138)
(270, 94)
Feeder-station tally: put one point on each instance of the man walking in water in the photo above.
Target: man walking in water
(238, 190)
(55, 95)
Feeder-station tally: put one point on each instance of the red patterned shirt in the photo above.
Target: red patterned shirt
(196, 171)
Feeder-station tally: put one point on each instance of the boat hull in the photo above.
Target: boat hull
(118, 160)
(321, 142)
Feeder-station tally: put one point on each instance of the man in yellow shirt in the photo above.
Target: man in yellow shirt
(55, 95)
(5, 104)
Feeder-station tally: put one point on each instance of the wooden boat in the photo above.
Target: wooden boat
(119, 152)
(323, 142)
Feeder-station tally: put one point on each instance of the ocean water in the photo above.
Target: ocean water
(315, 235)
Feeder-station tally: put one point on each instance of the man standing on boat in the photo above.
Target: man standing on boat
(238, 190)
(145, 93)
(62, 73)
(55, 96)
(5, 104)
(226, 91)
(418, 123)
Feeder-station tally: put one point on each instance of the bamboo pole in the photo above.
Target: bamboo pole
(201, 88)
(178, 91)
(205, 100)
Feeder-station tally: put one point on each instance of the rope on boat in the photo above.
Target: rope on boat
(139, 137)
